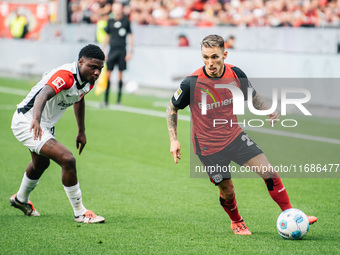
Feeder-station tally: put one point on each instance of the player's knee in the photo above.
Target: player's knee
(68, 161)
(44, 165)
(36, 169)
(227, 192)
(40, 165)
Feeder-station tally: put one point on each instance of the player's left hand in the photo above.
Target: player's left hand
(81, 141)
(274, 117)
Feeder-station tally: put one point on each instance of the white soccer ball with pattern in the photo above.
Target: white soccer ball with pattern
(292, 224)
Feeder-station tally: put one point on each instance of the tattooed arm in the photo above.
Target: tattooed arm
(171, 117)
(261, 104)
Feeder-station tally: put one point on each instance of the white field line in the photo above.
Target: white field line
(148, 112)
(10, 107)
(186, 118)
(20, 92)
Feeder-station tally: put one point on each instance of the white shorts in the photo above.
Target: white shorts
(21, 125)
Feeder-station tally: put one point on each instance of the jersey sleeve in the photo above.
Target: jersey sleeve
(61, 80)
(128, 27)
(107, 28)
(245, 83)
(181, 98)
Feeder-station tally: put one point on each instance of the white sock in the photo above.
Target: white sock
(26, 187)
(74, 195)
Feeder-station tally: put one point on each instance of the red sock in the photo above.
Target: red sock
(278, 192)
(230, 207)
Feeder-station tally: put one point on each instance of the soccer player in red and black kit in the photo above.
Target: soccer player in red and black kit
(219, 145)
(117, 29)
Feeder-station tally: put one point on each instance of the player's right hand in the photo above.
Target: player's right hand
(37, 131)
(175, 148)
(274, 117)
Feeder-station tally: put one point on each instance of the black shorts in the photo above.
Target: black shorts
(241, 150)
(116, 57)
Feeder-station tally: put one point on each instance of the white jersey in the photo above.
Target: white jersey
(66, 82)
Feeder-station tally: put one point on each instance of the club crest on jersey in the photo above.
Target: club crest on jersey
(217, 178)
(177, 93)
(58, 82)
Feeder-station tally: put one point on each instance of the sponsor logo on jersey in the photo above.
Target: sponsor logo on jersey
(122, 32)
(117, 24)
(58, 82)
(217, 104)
(206, 92)
(177, 93)
(64, 105)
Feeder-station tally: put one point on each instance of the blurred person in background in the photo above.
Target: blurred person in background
(229, 43)
(238, 13)
(18, 26)
(117, 29)
(57, 36)
(183, 41)
(100, 17)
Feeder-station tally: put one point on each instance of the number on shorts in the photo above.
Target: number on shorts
(247, 139)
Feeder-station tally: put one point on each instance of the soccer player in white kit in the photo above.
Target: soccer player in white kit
(33, 125)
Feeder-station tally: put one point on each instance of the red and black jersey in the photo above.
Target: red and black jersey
(207, 138)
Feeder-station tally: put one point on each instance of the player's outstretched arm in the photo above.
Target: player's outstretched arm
(79, 112)
(44, 95)
(171, 118)
(260, 104)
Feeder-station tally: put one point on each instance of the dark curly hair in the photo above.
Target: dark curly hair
(91, 51)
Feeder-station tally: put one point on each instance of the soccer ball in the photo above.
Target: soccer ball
(292, 224)
(131, 87)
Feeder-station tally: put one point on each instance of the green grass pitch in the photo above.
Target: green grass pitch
(151, 205)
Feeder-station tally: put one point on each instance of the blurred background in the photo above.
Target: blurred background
(265, 38)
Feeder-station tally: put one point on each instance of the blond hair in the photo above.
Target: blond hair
(211, 41)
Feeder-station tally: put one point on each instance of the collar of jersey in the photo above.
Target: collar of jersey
(79, 82)
(214, 78)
